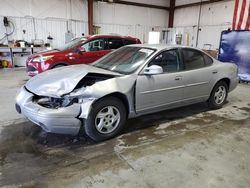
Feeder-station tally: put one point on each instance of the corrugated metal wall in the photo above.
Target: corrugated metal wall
(215, 18)
(36, 28)
(130, 20)
(40, 19)
(138, 31)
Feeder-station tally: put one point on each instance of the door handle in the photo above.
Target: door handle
(178, 77)
(215, 72)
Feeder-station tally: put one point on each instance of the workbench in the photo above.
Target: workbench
(17, 56)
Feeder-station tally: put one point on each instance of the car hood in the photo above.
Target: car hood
(45, 53)
(61, 81)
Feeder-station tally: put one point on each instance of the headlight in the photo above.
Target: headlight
(42, 58)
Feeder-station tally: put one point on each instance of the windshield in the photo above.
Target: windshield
(124, 60)
(72, 43)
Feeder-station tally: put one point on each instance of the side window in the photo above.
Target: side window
(115, 43)
(128, 42)
(193, 59)
(208, 60)
(94, 45)
(168, 60)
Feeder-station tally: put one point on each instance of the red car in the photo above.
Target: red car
(83, 50)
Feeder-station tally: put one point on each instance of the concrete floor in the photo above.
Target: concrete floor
(185, 147)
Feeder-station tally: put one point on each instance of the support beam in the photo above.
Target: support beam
(135, 4)
(171, 14)
(199, 3)
(90, 17)
(198, 26)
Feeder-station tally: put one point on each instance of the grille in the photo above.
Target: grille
(31, 69)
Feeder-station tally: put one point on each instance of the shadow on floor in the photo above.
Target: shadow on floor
(33, 135)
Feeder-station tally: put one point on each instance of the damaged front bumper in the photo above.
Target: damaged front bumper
(63, 120)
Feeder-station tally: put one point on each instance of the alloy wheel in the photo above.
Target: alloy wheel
(107, 119)
(220, 95)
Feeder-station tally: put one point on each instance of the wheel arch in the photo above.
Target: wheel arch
(89, 126)
(122, 97)
(226, 80)
(59, 63)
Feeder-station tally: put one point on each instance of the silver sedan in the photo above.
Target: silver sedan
(129, 82)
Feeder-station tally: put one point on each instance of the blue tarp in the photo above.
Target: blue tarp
(235, 48)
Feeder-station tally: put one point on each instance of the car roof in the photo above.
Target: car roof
(110, 35)
(161, 46)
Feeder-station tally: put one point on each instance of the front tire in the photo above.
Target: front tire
(218, 95)
(58, 66)
(106, 119)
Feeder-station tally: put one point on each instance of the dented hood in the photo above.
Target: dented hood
(60, 81)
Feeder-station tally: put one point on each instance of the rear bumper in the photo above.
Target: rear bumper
(62, 120)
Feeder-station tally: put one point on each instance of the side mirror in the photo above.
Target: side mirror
(79, 50)
(153, 69)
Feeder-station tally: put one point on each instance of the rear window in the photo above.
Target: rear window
(208, 60)
(193, 59)
(115, 43)
(128, 42)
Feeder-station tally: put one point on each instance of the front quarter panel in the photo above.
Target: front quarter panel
(123, 85)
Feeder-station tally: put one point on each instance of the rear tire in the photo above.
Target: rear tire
(106, 119)
(218, 95)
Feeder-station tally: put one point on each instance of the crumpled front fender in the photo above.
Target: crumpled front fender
(86, 108)
(123, 85)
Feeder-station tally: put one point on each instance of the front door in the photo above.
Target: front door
(156, 92)
(92, 51)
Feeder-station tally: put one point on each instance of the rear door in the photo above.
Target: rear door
(115, 43)
(154, 92)
(197, 75)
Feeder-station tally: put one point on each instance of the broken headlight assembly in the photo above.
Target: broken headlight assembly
(51, 102)
(48, 102)
(71, 99)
